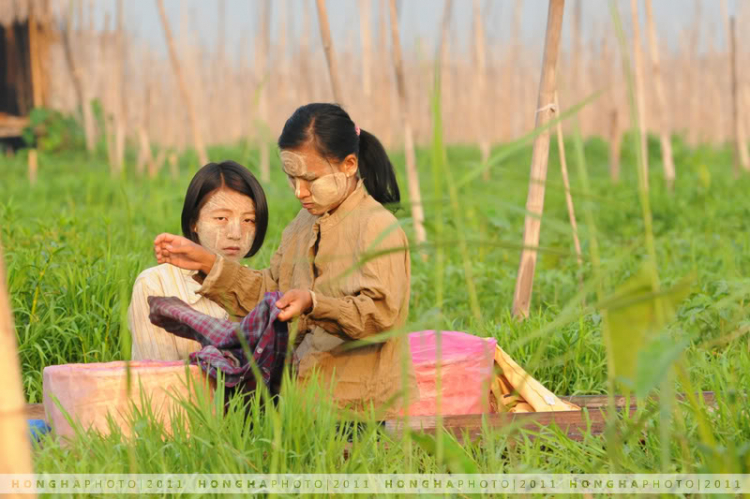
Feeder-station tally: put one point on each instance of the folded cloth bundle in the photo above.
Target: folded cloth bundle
(264, 336)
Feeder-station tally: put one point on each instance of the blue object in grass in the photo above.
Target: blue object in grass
(38, 428)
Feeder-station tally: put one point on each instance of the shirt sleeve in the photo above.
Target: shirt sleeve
(238, 289)
(383, 294)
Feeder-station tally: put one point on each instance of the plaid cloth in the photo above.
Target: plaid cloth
(222, 350)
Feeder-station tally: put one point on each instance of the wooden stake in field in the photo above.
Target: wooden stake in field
(184, 89)
(568, 196)
(480, 79)
(264, 74)
(662, 110)
(33, 166)
(325, 36)
(640, 94)
(118, 81)
(80, 83)
(365, 10)
(539, 159)
(446, 81)
(740, 157)
(15, 452)
(412, 177)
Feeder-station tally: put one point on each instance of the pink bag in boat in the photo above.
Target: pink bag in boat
(88, 392)
(466, 372)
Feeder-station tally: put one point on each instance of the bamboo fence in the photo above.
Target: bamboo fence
(488, 80)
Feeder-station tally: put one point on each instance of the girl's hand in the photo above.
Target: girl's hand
(293, 303)
(182, 252)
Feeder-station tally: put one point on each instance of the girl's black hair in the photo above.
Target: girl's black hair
(233, 176)
(334, 135)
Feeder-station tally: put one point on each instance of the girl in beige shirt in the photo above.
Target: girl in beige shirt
(343, 263)
(225, 210)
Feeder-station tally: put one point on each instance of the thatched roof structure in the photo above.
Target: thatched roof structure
(19, 11)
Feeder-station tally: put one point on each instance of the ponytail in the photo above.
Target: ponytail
(376, 170)
(335, 135)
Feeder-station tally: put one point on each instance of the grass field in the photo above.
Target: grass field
(75, 242)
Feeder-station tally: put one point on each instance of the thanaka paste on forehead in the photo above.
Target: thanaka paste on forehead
(293, 164)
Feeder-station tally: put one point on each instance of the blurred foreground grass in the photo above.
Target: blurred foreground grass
(75, 242)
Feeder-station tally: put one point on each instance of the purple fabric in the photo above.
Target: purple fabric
(264, 336)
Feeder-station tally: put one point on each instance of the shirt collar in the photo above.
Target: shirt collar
(345, 208)
(192, 286)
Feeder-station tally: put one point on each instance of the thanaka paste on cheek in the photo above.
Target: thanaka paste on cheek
(232, 230)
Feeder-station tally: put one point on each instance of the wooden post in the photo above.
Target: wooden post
(118, 81)
(415, 198)
(740, 157)
(365, 10)
(568, 196)
(36, 67)
(662, 110)
(264, 77)
(75, 73)
(89, 125)
(480, 79)
(384, 98)
(640, 94)
(325, 36)
(446, 80)
(513, 71)
(33, 166)
(539, 159)
(15, 452)
(184, 89)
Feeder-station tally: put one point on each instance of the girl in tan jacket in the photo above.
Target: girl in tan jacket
(343, 263)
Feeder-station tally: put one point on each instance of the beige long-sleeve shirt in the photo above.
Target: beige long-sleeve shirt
(356, 261)
(150, 342)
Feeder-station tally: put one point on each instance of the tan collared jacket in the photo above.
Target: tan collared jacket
(356, 261)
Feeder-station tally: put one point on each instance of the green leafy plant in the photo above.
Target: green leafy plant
(52, 131)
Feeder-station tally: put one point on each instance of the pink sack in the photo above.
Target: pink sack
(88, 392)
(466, 372)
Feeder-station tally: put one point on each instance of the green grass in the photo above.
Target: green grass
(75, 242)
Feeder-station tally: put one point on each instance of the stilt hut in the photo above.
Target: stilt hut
(27, 30)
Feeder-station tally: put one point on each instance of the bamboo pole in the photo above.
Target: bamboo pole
(513, 70)
(80, 83)
(640, 93)
(415, 198)
(539, 159)
(325, 36)
(446, 81)
(695, 74)
(305, 55)
(36, 69)
(264, 77)
(365, 10)
(385, 110)
(568, 196)
(662, 110)
(15, 451)
(480, 79)
(740, 157)
(184, 89)
(33, 166)
(118, 82)
(109, 125)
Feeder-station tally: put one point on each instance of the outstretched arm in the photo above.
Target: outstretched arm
(237, 288)
(184, 253)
